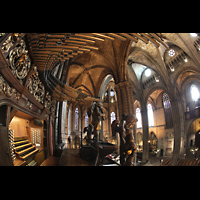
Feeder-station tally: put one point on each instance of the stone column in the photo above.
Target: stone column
(145, 127)
(109, 117)
(119, 100)
(124, 98)
(131, 102)
(177, 130)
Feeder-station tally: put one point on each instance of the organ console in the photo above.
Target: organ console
(25, 139)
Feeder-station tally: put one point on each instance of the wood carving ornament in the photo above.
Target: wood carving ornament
(97, 112)
(127, 145)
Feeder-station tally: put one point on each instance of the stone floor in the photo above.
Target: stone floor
(70, 157)
(154, 161)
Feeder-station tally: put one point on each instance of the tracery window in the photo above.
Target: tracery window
(171, 52)
(166, 101)
(76, 119)
(138, 115)
(113, 117)
(167, 111)
(150, 114)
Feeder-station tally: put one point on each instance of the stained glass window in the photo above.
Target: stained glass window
(166, 101)
(138, 115)
(167, 111)
(113, 117)
(76, 119)
(171, 52)
(86, 120)
(150, 114)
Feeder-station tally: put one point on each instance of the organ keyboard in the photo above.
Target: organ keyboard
(25, 139)
(24, 150)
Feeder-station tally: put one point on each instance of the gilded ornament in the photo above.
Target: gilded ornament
(35, 86)
(5, 88)
(19, 60)
(7, 45)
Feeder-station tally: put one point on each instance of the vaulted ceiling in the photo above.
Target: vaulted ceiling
(82, 60)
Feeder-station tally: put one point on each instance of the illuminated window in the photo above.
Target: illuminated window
(147, 72)
(138, 115)
(167, 111)
(113, 117)
(76, 119)
(171, 52)
(166, 101)
(150, 114)
(112, 94)
(86, 120)
(194, 92)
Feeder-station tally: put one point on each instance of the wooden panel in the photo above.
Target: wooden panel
(5, 159)
(19, 126)
(39, 158)
(23, 127)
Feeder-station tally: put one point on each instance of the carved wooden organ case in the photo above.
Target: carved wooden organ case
(27, 108)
